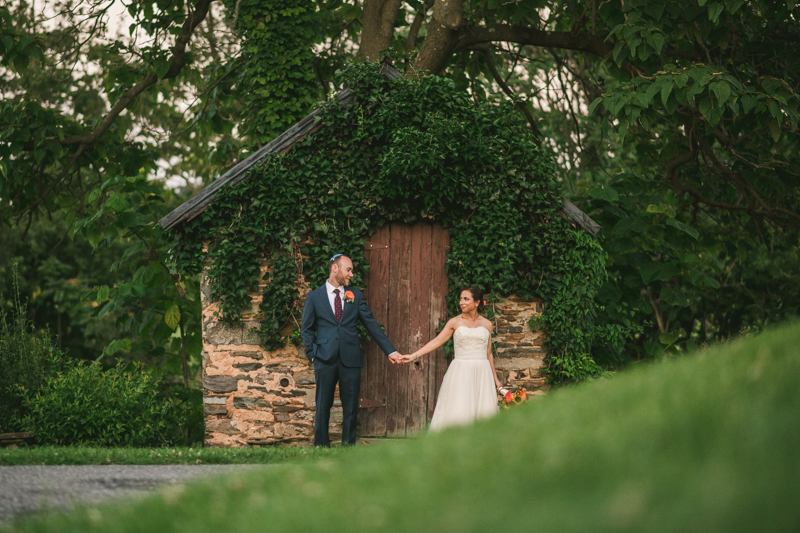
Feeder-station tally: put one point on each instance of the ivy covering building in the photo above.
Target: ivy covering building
(427, 192)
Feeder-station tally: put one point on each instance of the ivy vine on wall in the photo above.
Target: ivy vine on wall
(407, 150)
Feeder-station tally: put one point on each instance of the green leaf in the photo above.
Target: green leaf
(116, 203)
(102, 293)
(774, 129)
(657, 272)
(665, 90)
(604, 193)
(715, 10)
(722, 90)
(162, 67)
(700, 75)
(674, 297)
(667, 339)
(628, 225)
(683, 227)
(620, 53)
(597, 101)
(124, 345)
(658, 41)
(172, 317)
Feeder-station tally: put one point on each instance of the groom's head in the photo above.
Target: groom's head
(341, 270)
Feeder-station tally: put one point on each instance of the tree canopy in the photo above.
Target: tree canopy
(673, 123)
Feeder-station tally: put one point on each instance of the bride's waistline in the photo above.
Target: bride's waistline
(468, 358)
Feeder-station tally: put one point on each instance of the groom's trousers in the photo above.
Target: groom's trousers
(326, 376)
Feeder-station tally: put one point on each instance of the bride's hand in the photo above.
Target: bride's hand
(407, 358)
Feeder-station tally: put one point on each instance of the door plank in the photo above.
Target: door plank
(440, 243)
(416, 412)
(398, 325)
(373, 381)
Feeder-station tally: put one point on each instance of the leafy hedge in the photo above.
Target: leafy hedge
(89, 406)
(408, 150)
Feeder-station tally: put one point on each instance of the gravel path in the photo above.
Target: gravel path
(27, 489)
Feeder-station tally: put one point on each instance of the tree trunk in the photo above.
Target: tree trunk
(443, 35)
(377, 30)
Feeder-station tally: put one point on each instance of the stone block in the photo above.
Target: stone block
(215, 400)
(247, 367)
(218, 332)
(210, 409)
(288, 408)
(291, 393)
(520, 352)
(223, 383)
(517, 329)
(246, 402)
(221, 425)
(251, 354)
(517, 363)
(304, 377)
(281, 417)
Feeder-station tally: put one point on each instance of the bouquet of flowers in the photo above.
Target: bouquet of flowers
(511, 397)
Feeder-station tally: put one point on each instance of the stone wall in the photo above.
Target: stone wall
(256, 397)
(519, 355)
(252, 396)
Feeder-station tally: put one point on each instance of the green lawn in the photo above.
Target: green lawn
(709, 442)
(62, 455)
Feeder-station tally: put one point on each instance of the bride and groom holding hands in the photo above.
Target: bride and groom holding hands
(330, 337)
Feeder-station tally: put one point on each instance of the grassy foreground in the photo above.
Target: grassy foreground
(709, 442)
(63, 455)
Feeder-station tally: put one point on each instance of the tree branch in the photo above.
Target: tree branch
(413, 31)
(487, 55)
(178, 61)
(524, 35)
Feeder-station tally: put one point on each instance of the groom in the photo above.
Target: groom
(331, 312)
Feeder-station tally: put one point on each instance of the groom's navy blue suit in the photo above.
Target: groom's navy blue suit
(334, 349)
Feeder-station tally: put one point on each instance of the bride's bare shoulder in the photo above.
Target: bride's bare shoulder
(485, 322)
(453, 323)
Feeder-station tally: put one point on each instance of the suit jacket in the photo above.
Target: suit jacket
(334, 337)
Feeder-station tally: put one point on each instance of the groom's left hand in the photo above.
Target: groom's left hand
(396, 358)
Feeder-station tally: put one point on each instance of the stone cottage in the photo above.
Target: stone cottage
(254, 396)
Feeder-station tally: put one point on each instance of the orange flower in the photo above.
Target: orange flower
(509, 397)
(349, 296)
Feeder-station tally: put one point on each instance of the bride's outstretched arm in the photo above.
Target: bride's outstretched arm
(434, 344)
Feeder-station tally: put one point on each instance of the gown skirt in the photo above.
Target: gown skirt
(467, 392)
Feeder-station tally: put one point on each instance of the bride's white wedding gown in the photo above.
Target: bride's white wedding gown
(467, 392)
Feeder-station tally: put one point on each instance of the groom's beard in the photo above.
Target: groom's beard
(341, 280)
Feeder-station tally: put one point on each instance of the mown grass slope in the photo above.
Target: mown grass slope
(709, 442)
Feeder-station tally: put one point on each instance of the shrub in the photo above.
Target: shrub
(116, 407)
(27, 359)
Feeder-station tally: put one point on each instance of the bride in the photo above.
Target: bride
(469, 388)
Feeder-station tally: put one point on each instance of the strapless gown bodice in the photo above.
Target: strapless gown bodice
(470, 343)
(467, 392)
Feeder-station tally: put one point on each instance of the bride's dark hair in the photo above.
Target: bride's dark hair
(477, 295)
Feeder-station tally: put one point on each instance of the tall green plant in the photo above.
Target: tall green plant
(27, 359)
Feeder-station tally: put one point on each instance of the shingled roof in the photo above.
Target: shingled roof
(282, 143)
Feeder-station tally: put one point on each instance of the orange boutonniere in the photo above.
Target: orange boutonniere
(349, 297)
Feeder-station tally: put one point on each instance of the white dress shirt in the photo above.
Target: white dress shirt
(332, 296)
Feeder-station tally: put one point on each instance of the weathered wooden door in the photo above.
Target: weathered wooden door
(406, 290)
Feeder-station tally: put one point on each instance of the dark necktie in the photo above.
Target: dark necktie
(337, 305)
